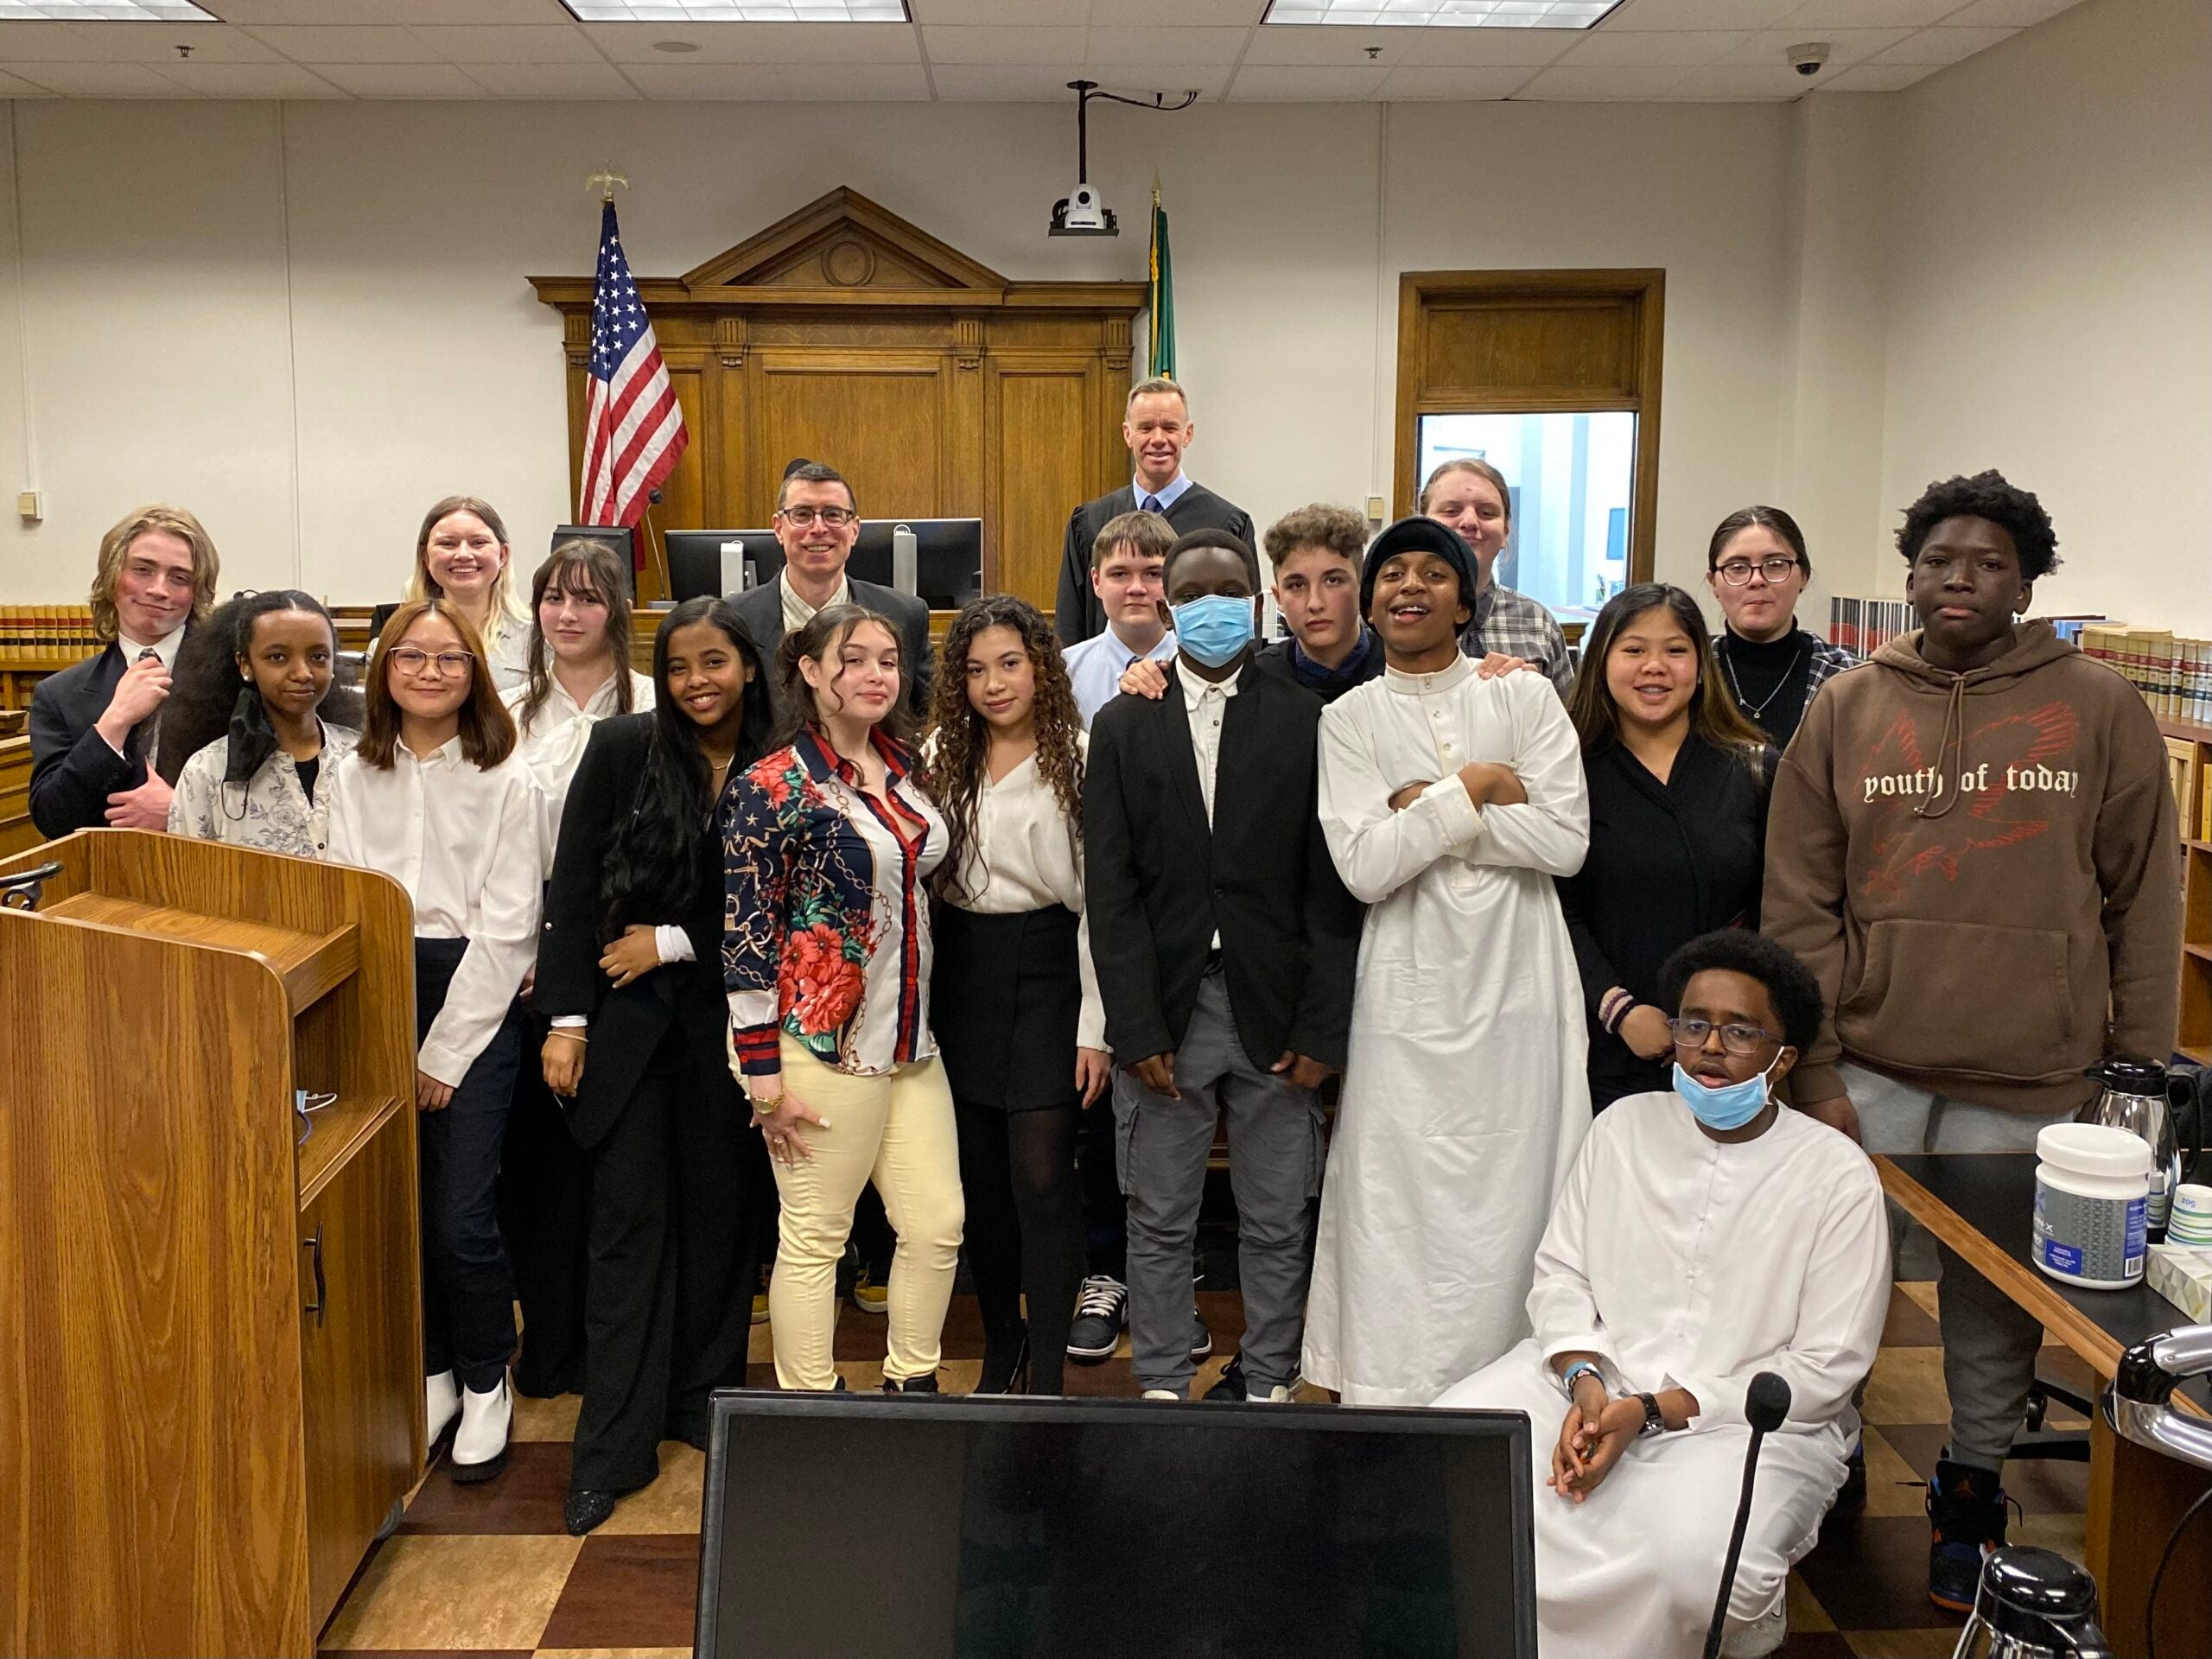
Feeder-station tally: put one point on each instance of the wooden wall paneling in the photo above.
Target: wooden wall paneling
(965, 422)
(149, 1214)
(1514, 342)
(16, 829)
(876, 417)
(1040, 423)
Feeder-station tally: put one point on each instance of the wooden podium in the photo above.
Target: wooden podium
(210, 1366)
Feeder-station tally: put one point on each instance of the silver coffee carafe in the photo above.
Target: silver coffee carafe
(2135, 1100)
(2032, 1604)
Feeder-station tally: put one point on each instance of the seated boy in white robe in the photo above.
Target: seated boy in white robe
(1704, 1235)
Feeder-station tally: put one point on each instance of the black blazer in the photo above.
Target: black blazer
(627, 1024)
(1078, 615)
(1157, 883)
(73, 769)
(1667, 862)
(761, 610)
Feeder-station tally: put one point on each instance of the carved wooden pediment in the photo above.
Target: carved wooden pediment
(842, 240)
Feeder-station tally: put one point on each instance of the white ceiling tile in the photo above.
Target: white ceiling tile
(47, 43)
(1427, 83)
(1510, 48)
(1268, 83)
(1682, 47)
(1332, 45)
(1867, 14)
(10, 86)
(739, 83)
(1741, 83)
(520, 43)
(2008, 14)
(1599, 85)
(138, 43)
(1169, 48)
(100, 80)
(1003, 83)
(975, 43)
(1142, 80)
(551, 80)
(249, 79)
(1003, 13)
(348, 43)
(1876, 78)
(309, 12)
(1934, 48)
(760, 43)
(1770, 47)
(1175, 14)
(1639, 14)
(400, 79)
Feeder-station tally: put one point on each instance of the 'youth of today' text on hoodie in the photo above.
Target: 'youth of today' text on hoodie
(1982, 869)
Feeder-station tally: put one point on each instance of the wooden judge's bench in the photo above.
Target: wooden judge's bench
(210, 1370)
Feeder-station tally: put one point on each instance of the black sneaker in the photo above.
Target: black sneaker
(1101, 1311)
(1966, 1518)
(1201, 1338)
(1231, 1386)
(925, 1383)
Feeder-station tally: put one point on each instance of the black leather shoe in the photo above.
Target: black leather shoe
(584, 1510)
(1231, 1386)
(924, 1384)
(1005, 1366)
(1201, 1338)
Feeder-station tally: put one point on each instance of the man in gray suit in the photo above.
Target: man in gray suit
(818, 521)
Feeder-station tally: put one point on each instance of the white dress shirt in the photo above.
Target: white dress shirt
(796, 611)
(552, 742)
(507, 644)
(166, 649)
(1205, 702)
(1166, 495)
(1096, 666)
(463, 842)
(1025, 855)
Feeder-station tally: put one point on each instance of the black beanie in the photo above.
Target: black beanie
(1419, 535)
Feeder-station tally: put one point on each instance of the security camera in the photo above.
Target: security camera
(1082, 213)
(1807, 58)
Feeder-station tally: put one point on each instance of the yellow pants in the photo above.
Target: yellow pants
(898, 1131)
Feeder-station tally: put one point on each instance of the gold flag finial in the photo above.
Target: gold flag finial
(605, 181)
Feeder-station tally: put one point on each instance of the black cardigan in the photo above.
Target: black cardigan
(1667, 862)
(628, 1025)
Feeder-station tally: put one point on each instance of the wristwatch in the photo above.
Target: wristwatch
(1655, 1421)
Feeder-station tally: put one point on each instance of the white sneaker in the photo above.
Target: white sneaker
(480, 1445)
(1277, 1396)
(441, 1405)
(1755, 1640)
(1162, 1394)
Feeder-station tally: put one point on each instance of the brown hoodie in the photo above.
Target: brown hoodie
(1983, 870)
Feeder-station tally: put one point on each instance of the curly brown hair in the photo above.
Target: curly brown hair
(961, 738)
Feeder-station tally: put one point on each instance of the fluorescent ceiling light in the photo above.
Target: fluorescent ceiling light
(104, 11)
(1441, 14)
(737, 11)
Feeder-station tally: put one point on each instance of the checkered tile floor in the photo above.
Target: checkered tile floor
(488, 1570)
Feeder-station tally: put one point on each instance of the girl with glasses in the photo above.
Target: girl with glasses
(435, 797)
(1757, 567)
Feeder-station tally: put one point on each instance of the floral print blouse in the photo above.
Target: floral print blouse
(825, 924)
(270, 810)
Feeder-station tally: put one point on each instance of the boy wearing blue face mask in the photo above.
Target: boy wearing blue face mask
(1704, 1235)
(1224, 945)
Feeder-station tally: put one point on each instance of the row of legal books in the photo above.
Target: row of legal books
(1865, 626)
(2174, 675)
(46, 636)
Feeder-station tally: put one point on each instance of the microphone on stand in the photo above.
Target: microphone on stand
(1766, 1402)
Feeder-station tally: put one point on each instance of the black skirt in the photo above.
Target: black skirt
(1005, 997)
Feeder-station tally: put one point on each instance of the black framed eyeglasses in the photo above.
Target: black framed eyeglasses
(1736, 1037)
(1738, 572)
(835, 517)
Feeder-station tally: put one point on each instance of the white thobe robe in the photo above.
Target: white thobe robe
(1683, 1262)
(1465, 1093)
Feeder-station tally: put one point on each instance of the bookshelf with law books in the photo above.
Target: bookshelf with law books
(2173, 674)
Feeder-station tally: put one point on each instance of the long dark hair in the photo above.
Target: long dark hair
(597, 570)
(653, 864)
(210, 698)
(963, 744)
(1713, 714)
(822, 639)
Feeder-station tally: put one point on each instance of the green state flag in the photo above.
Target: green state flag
(1163, 295)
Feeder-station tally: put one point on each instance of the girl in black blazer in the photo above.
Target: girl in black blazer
(1678, 794)
(629, 972)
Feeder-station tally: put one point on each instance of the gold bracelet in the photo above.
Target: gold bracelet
(573, 1034)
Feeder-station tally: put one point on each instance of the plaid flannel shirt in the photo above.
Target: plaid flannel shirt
(1519, 627)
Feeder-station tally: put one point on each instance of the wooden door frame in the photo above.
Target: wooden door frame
(1647, 288)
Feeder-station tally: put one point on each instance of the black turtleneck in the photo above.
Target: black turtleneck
(1769, 679)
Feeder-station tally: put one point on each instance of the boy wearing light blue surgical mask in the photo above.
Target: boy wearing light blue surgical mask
(1224, 944)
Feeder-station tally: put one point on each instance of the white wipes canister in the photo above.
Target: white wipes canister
(2093, 1185)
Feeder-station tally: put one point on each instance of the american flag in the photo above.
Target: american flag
(634, 430)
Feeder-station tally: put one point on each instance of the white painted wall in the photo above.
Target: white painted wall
(308, 321)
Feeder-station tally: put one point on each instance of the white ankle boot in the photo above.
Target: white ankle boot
(480, 1445)
(441, 1404)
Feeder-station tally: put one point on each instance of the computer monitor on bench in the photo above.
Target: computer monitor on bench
(948, 559)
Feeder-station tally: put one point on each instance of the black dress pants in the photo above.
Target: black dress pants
(545, 1211)
(677, 1190)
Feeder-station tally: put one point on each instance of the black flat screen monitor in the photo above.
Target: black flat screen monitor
(614, 538)
(1114, 1529)
(948, 559)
